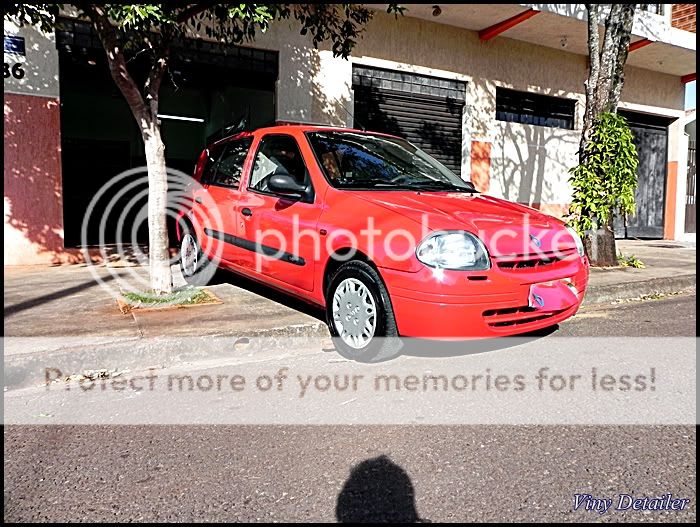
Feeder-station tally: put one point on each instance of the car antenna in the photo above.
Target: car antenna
(355, 122)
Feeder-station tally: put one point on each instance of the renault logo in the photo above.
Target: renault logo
(536, 240)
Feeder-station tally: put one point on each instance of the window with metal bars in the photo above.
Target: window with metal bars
(531, 108)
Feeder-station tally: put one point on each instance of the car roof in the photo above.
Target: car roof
(283, 127)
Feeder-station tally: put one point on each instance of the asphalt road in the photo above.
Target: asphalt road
(297, 473)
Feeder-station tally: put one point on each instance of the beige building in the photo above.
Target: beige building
(495, 92)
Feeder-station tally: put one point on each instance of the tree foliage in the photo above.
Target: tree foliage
(606, 179)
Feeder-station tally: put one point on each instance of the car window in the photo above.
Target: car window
(277, 154)
(230, 166)
(213, 154)
(373, 162)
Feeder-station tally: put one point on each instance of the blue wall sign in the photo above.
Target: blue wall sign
(14, 45)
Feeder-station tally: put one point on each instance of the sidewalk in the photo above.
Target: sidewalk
(67, 314)
(66, 301)
(669, 267)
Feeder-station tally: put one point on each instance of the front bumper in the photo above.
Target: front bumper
(493, 303)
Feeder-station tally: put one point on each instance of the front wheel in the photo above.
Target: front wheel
(359, 314)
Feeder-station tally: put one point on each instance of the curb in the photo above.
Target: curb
(635, 289)
(141, 354)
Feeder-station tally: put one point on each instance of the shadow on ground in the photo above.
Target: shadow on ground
(377, 491)
(223, 276)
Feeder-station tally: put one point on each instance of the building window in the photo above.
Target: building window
(530, 108)
(653, 8)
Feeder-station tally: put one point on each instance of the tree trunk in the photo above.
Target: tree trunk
(600, 245)
(146, 115)
(603, 89)
(158, 254)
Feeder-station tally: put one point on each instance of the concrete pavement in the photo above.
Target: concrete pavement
(67, 301)
(345, 473)
(669, 267)
(56, 306)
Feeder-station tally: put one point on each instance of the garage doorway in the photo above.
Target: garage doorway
(426, 111)
(209, 86)
(651, 140)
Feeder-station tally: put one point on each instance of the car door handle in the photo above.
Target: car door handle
(247, 212)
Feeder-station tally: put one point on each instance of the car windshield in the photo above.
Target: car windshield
(373, 162)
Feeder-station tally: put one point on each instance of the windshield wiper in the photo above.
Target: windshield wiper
(440, 185)
(415, 187)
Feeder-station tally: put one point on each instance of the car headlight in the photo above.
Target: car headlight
(577, 240)
(457, 250)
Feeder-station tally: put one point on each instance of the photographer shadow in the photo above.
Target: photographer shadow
(377, 491)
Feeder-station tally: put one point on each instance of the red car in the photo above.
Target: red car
(388, 240)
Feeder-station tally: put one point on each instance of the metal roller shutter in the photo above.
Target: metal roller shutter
(425, 110)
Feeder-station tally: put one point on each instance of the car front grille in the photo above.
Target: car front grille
(531, 262)
(516, 316)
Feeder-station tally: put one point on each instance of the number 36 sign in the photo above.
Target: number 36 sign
(15, 70)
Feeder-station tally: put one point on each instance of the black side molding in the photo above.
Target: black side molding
(255, 247)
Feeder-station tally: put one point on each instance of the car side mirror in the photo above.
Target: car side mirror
(287, 185)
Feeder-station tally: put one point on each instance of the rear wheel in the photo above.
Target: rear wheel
(196, 268)
(359, 314)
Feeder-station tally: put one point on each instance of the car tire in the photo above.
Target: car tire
(196, 268)
(361, 290)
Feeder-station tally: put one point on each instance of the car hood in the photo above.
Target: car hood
(505, 227)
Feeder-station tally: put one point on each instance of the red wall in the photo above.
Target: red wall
(33, 187)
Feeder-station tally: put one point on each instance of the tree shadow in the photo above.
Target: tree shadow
(377, 491)
(13, 309)
(529, 163)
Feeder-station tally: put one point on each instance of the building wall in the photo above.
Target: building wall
(33, 220)
(519, 162)
(683, 16)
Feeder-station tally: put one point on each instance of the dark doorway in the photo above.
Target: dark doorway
(651, 140)
(208, 86)
(427, 111)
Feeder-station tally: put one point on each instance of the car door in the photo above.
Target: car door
(280, 232)
(222, 185)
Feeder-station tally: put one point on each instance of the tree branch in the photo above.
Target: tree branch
(593, 43)
(115, 58)
(161, 56)
(192, 11)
